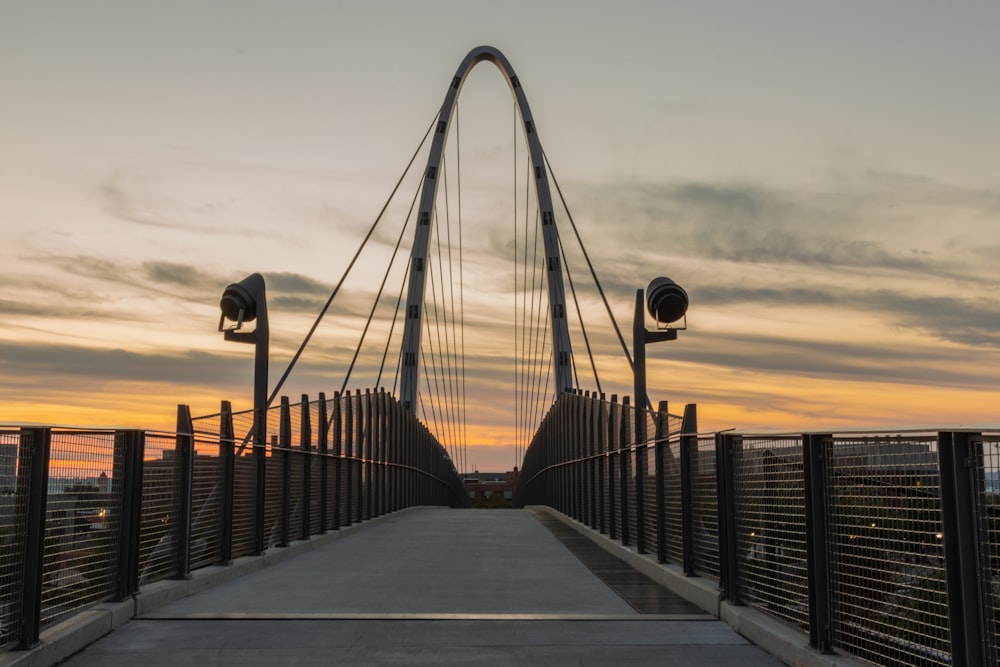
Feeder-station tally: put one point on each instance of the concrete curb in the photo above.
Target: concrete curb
(68, 637)
(789, 645)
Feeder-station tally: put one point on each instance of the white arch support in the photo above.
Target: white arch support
(562, 351)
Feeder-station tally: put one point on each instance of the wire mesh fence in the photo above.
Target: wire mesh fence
(770, 525)
(988, 492)
(886, 537)
(906, 585)
(671, 520)
(83, 520)
(893, 597)
(207, 499)
(705, 509)
(158, 524)
(13, 515)
(96, 514)
(900, 583)
(244, 502)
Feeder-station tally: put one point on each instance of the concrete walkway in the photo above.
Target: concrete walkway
(429, 586)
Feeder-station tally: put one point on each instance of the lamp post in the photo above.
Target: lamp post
(667, 302)
(242, 302)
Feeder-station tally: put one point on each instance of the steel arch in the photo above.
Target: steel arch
(562, 351)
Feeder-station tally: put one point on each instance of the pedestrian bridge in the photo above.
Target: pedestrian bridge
(817, 548)
(303, 532)
(425, 586)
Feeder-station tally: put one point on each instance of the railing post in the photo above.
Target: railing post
(593, 488)
(398, 449)
(612, 451)
(338, 460)
(285, 447)
(260, 472)
(960, 458)
(582, 459)
(725, 461)
(688, 443)
(32, 493)
(305, 444)
(348, 456)
(392, 455)
(227, 455)
(569, 453)
(624, 454)
(661, 441)
(579, 499)
(324, 461)
(383, 452)
(560, 446)
(185, 479)
(601, 461)
(129, 445)
(370, 423)
(577, 494)
(639, 472)
(406, 455)
(360, 422)
(815, 456)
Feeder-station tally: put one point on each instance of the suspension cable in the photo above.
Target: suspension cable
(441, 396)
(431, 393)
(590, 264)
(453, 371)
(537, 318)
(388, 340)
(524, 362)
(540, 346)
(583, 327)
(326, 307)
(441, 319)
(378, 296)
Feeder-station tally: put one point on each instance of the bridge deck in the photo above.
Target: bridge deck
(428, 586)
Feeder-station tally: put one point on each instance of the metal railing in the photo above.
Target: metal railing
(92, 515)
(882, 546)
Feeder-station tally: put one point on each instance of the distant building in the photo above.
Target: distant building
(8, 467)
(491, 489)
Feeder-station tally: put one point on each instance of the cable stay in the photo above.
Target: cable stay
(593, 273)
(590, 265)
(340, 283)
(583, 327)
(347, 271)
(388, 340)
(378, 295)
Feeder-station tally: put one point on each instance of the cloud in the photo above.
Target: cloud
(30, 360)
(184, 275)
(890, 223)
(968, 321)
(855, 360)
(296, 303)
(123, 199)
(296, 283)
(91, 267)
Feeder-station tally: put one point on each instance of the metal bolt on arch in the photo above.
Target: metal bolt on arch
(561, 348)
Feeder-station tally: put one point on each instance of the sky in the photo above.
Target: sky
(822, 178)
